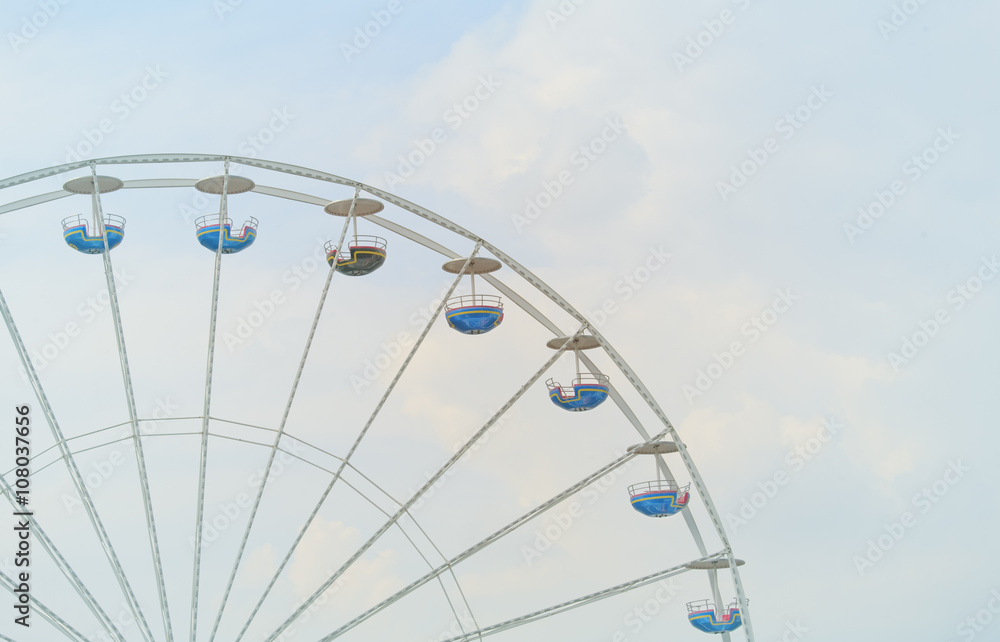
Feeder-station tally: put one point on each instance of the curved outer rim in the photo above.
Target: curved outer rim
(428, 215)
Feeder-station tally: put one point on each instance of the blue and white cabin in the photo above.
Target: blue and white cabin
(587, 392)
(707, 617)
(477, 314)
(76, 233)
(208, 234)
(660, 498)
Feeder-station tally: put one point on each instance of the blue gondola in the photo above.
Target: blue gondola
(661, 498)
(705, 616)
(366, 254)
(588, 392)
(76, 234)
(476, 314)
(208, 234)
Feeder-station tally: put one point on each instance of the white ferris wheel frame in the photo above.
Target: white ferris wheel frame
(713, 561)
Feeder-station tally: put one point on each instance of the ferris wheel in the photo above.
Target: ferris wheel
(126, 535)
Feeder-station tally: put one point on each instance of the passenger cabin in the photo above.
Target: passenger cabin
(209, 236)
(76, 233)
(708, 618)
(587, 392)
(365, 255)
(476, 314)
(660, 498)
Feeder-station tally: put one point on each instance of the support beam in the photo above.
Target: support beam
(209, 369)
(140, 458)
(65, 568)
(573, 604)
(74, 472)
(46, 613)
(357, 442)
(281, 425)
(496, 536)
(423, 489)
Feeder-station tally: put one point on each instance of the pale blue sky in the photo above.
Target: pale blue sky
(878, 97)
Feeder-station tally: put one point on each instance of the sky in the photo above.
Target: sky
(778, 214)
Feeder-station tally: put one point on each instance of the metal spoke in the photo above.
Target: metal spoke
(65, 567)
(209, 368)
(581, 601)
(45, 612)
(503, 532)
(365, 497)
(423, 489)
(284, 418)
(140, 457)
(357, 441)
(74, 471)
